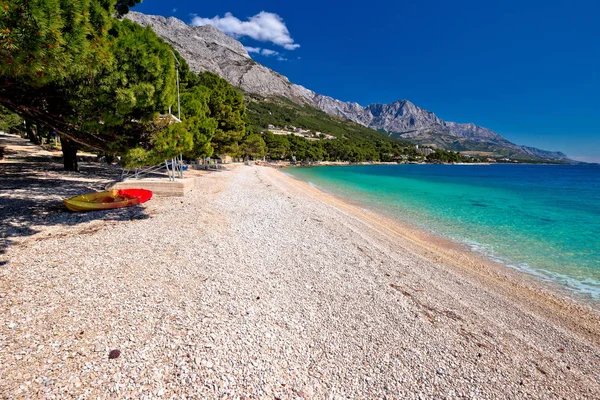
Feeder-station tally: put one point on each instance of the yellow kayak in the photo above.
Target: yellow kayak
(108, 200)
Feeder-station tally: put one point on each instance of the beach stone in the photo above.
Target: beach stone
(114, 354)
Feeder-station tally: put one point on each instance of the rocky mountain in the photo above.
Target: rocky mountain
(205, 48)
(405, 120)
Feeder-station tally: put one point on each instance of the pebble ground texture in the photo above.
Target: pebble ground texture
(258, 286)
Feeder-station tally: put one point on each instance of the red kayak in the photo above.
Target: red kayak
(110, 199)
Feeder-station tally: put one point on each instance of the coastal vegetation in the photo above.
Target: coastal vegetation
(76, 69)
(281, 112)
(352, 143)
(108, 85)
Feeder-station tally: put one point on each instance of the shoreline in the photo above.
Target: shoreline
(435, 247)
(256, 284)
(536, 278)
(289, 164)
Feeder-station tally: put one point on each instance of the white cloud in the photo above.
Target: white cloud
(268, 52)
(264, 27)
(265, 52)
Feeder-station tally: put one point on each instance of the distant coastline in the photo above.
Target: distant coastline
(286, 164)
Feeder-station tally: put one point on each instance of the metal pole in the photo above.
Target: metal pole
(180, 166)
(178, 100)
(180, 158)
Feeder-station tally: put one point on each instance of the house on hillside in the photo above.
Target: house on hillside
(425, 151)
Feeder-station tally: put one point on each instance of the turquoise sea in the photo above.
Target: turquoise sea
(541, 219)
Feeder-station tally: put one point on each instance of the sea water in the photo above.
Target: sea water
(542, 219)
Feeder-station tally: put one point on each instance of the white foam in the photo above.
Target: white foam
(588, 286)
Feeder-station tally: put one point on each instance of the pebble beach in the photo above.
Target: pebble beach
(255, 285)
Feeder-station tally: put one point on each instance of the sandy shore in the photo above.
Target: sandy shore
(259, 286)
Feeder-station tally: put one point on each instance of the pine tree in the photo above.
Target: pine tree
(227, 107)
(102, 83)
(72, 66)
(50, 41)
(254, 146)
(123, 6)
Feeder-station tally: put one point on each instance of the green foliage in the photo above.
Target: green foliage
(50, 41)
(119, 109)
(101, 83)
(9, 121)
(194, 101)
(285, 147)
(136, 157)
(254, 146)
(212, 112)
(226, 106)
(140, 83)
(278, 146)
(73, 67)
(354, 142)
(172, 141)
(445, 156)
(202, 130)
(167, 143)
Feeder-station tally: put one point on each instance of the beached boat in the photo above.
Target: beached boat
(108, 200)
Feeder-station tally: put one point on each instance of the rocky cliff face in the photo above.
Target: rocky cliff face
(206, 48)
(403, 117)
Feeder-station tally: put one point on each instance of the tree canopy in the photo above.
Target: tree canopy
(104, 83)
(64, 64)
(109, 84)
(212, 112)
(227, 107)
(254, 146)
(52, 41)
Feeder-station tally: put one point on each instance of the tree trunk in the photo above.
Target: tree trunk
(43, 133)
(69, 150)
(30, 133)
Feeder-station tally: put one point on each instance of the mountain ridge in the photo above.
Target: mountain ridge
(206, 48)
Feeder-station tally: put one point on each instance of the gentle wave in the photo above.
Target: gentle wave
(590, 287)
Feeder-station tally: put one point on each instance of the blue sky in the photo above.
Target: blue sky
(529, 69)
